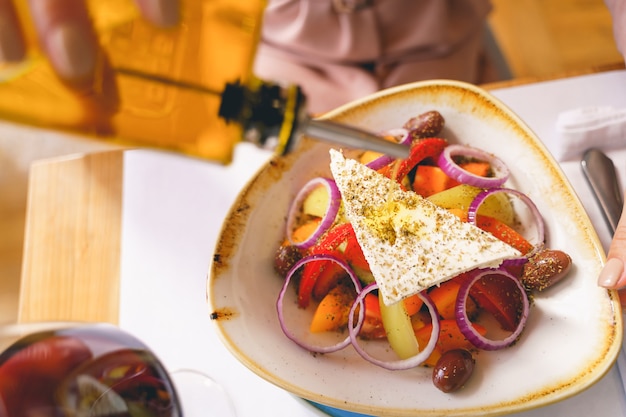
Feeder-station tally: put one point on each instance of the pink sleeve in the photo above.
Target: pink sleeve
(374, 29)
(340, 50)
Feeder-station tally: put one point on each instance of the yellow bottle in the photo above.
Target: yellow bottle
(214, 45)
(214, 103)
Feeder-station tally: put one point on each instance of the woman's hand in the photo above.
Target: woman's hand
(614, 273)
(66, 34)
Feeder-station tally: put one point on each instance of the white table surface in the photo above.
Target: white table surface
(173, 208)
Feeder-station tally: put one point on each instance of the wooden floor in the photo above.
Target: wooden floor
(544, 38)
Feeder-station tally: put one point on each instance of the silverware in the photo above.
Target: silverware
(602, 177)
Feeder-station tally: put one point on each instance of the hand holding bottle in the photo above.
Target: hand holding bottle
(66, 34)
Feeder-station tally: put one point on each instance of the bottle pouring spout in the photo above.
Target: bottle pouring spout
(324, 130)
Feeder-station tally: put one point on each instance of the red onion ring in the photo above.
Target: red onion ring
(453, 170)
(334, 202)
(385, 160)
(400, 133)
(511, 262)
(482, 196)
(465, 325)
(397, 365)
(281, 297)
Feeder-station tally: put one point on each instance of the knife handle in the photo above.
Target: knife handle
(602, 177)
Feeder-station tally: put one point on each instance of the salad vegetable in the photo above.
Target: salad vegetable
(322, 259)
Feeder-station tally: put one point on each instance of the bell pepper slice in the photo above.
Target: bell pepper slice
(400, 334)
(450, 338)
(505, 233)
(420, 150)
(333, 238)
(333, 311)
(430, 180)
(498, 229)
(328, 277)
(445, 294)
(372, 323)
(500, 297)
(320, 276)
(354, 254)
(310, 274)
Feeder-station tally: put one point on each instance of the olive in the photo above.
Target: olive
(545, 268)
(425, 125)
(285, 258)
(453, 369)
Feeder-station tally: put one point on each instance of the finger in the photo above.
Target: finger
(67, 37)
(12, 44)
(613, 274)
(163, 13)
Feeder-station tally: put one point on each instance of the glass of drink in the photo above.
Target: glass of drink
(96, 370)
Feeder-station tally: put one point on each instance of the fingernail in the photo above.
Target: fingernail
(72, 52)
(12, 47)
(611, 273)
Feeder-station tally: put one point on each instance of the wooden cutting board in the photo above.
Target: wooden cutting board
(71, 260)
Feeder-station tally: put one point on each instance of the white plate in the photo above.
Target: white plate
(574, 331)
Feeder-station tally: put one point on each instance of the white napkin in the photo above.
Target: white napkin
(602, 127)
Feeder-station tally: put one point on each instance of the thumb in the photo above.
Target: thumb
(613, 274)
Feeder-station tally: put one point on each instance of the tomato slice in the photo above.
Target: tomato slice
(500, 297)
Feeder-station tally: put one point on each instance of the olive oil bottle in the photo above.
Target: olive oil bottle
(213, 46)
(189, 89)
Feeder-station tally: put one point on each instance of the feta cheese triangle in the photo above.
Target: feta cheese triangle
(410, 243)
